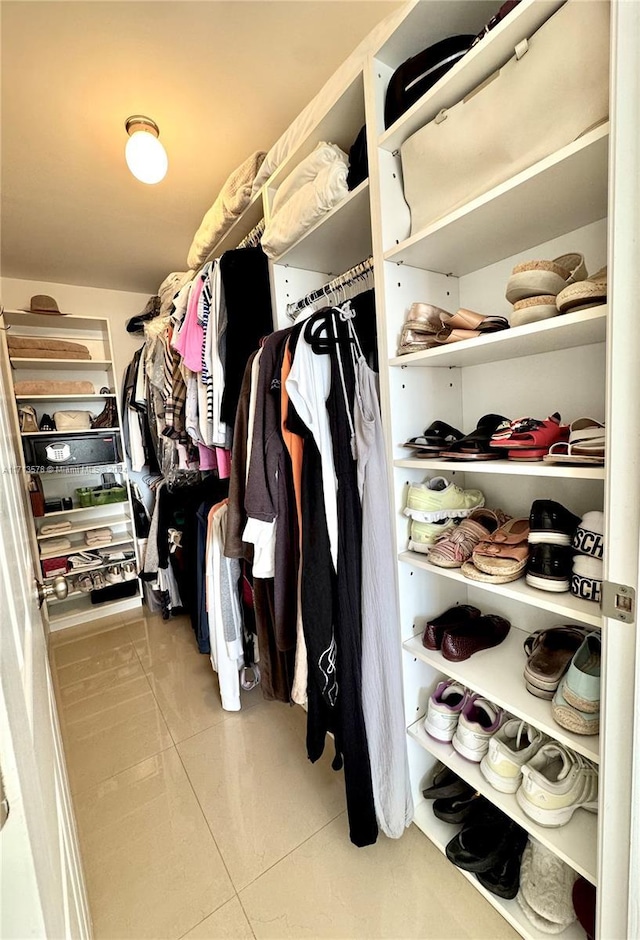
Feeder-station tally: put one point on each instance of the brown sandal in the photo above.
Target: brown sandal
(506, 551)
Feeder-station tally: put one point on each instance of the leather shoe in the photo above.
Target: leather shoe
(482, 842)
(550, 523)
(445, 784)
(454, 617)
(503, 879)
(550, 567)
(483, 633)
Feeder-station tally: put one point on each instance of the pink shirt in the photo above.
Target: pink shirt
(190, 339)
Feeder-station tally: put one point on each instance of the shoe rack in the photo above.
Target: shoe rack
(581, 364)
(94, 333)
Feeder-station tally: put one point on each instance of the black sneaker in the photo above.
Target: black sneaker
(551, 523)
(550, 567)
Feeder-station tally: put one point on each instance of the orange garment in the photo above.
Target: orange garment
(293, 442)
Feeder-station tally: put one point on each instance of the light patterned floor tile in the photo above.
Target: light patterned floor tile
(229, 923)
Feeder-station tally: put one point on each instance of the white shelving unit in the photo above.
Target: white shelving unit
(59, 482)
(582, 363)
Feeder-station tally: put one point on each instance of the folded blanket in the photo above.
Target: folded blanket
(59, 346)
(37, 352)
(95, 537)
(54, 545)
(231, 202)
(54, 527)
(305, 208)
(53, 387)
(306, 171)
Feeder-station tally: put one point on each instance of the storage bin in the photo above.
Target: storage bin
(517, 117)
(98, 496)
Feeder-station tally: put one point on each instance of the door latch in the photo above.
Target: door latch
(618, 601)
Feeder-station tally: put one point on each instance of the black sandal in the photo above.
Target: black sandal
(477, 444)
(436, 438)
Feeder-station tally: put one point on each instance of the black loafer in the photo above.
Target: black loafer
(445, 784)
(457, 809)
(482, 842)
(503, 879)
(550, 523)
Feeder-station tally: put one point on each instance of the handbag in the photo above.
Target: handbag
(72, 420)
(520, 115)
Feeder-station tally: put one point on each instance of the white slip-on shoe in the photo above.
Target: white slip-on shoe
(509, 749)
(444, 709)
(555, 783)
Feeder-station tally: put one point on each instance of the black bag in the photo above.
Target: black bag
(417, 75)
(358, 163)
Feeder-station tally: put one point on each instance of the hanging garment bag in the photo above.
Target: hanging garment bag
(553, 90)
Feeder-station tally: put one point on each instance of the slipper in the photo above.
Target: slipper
(532, 309)
(470, 571)
(535, 278)
(588, 293)
(477, 444)
(506, 551)
(549, 653)
(586, 444)
(436, 438)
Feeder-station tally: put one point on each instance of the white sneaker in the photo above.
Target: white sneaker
(555, 783)
(114, 575)
(437, 499)
(509, 749)
(479, 721)
(425, 534)
(444, 709)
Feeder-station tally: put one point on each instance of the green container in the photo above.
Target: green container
(90, 496)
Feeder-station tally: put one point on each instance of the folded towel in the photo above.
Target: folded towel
(54, 527)
(53, 387)
(38, 352)
(25, 346)
(233, 198)
(54, 545)
(305, 208)
(95, 537)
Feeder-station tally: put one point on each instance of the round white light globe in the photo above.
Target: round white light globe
(146, 157)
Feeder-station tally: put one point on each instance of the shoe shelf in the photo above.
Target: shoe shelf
(50, 365)
(575, 843)
(80, 571)
(563, 192)
(440, 833)
(75, 612)
(495, 49)
(86, 397)
(510, 467)
(339, 240)
(564, 604)
(69, 433)
(566, 331)
(497, 674)
(125, 539)
(98, 523)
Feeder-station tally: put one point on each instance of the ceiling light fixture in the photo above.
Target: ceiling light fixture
(145, 155)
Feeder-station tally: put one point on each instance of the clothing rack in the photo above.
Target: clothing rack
(353, 282)
(253, 239)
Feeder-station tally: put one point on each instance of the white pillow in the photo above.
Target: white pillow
(306, 171)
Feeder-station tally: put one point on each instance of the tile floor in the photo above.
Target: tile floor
(199, 823)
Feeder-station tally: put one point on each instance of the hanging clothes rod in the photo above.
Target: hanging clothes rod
(253, 239)
(353, 282)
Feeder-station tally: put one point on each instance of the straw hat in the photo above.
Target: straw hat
(42, 303)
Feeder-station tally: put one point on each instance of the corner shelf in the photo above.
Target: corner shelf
(566, 331)
(565, 604)
(440, 833)
(83, 547)
(497, 674)
(338, 240)
(561, 193)
(102, 523)
(575, 842)
(508, 467)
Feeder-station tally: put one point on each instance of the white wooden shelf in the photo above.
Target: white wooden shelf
(102, 523)
(70, 433)
(567, 331)
(83, 547)
(498, 674)
(76, 574)
(565, 604)
(508, 467)
(240, 228)
(339, 240)
(491, 53)
(440, 833)
(76, 509)
(51, 365)
(88, 397)
(575, 843)
(75, 612)
(65, 321)
(77, 470)
(561, 193)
